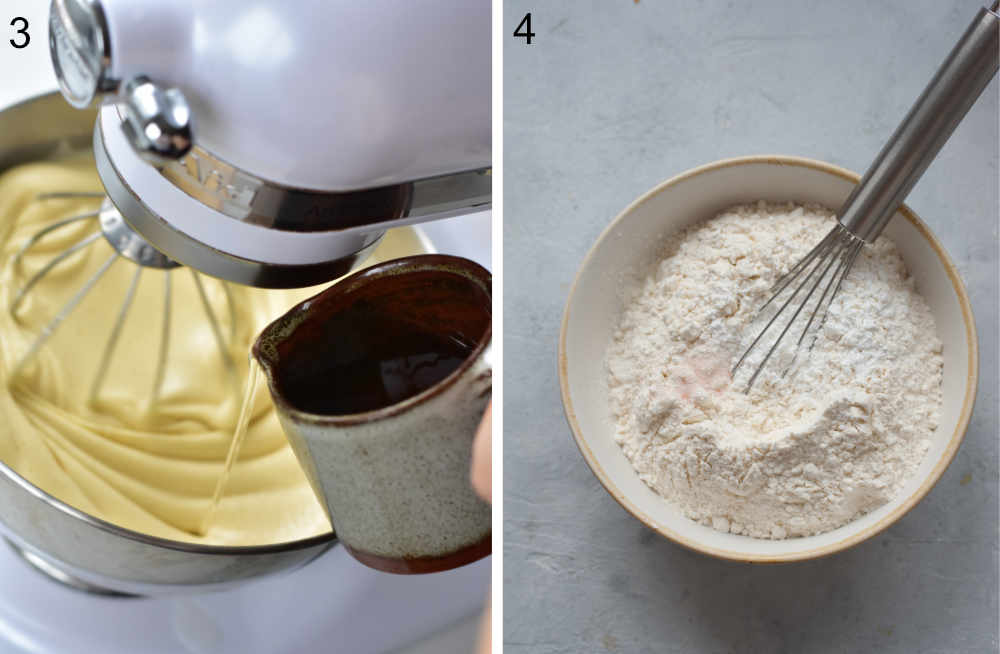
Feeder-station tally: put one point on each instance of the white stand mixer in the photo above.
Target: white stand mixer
(223, 152)
(271, 143)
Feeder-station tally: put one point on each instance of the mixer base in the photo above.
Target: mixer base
(62, 577)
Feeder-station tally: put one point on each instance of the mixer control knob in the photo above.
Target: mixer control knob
(81, 50)
(157, 121)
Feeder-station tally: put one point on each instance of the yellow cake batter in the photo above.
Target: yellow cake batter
(151, 469)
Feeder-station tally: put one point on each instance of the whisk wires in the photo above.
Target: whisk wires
(115, 335)
(826, 266)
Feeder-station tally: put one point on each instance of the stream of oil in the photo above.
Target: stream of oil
(235, 445)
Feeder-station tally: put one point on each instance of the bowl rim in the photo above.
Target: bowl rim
(157, 541)
(972, 380)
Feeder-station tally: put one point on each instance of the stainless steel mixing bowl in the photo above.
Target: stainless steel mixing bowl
(70, 545)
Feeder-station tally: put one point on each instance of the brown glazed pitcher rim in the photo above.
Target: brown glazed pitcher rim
(283, 326)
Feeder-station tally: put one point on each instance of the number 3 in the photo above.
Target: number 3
(23, 31)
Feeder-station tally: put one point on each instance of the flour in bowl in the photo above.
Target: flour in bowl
(801, 454)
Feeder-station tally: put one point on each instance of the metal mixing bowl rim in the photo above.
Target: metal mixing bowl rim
(178, 545)
(928, 482)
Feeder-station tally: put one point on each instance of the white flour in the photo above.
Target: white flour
(834, 439)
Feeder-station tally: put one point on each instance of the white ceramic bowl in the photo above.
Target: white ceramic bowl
(624, 253)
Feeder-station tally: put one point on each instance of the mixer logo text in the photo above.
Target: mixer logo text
(212, 181)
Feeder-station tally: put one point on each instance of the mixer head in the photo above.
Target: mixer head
(274, 147)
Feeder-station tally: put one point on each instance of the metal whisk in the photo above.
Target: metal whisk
(969, 67)
(109, 224)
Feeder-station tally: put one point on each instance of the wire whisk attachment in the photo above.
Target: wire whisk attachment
(963, 76)
(825, 266)
(106, 223)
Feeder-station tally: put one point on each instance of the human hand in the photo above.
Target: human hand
(481, 476)
(481, 473)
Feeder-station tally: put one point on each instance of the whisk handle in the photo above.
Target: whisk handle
(940, 108)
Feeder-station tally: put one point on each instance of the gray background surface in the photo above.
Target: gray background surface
(614, 97)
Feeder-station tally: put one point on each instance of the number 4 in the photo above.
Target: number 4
(526, 24)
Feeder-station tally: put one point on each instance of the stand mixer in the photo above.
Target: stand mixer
(273, 144)
(256, 145)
